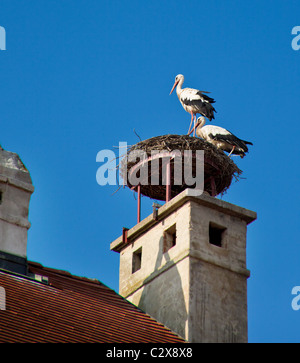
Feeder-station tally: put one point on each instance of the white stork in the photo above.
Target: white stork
(194, 101)
(221, 138)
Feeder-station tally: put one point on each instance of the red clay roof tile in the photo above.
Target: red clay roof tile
(72, 309)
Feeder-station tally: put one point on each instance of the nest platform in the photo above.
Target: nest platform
(219, 169)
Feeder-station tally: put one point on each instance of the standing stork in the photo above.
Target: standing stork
(221, 138)
(194, 101)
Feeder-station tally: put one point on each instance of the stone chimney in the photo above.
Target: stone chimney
(186, 266)
(15, 192)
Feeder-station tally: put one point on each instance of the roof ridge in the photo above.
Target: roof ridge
(61, 272)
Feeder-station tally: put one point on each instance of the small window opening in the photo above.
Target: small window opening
(216, 234)
(136, 260)
(169, 238)
(0, 197)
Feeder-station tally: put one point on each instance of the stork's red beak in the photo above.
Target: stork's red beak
(194, 128)
(175, 84)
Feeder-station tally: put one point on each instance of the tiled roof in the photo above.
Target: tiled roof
(72, 309)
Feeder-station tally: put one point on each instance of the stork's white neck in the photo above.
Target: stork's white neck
(179, 86)
(201, 123)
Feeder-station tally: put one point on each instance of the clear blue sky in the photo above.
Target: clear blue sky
(78, 76)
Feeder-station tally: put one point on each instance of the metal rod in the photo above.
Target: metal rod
(168, 181)
(139, 204)
(124, 235)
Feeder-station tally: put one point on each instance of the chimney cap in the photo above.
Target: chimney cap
(12, 166)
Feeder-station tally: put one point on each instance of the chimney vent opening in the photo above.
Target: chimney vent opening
(169, 238)
(216, 235)
(137, 260)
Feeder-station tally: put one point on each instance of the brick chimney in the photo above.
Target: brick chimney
(15, 192)
(186, 267)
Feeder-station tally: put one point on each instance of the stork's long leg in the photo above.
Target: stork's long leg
(231, 151)
(191, 122)
(194, 133)
(195, 119)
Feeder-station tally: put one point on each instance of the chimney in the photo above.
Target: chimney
(186, 267)
(15, 192)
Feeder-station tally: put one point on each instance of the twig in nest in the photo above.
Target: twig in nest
(117, 190)
(137, 134)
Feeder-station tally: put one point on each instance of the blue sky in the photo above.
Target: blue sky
(79, 76)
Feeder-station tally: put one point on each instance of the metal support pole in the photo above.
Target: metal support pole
(168, 181)
(139, 204)
(124, 235)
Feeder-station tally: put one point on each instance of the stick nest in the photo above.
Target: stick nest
(219, 169)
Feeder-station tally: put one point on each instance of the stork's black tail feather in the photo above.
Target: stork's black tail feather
(210, 114)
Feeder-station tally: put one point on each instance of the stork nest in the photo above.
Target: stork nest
(219, 169)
